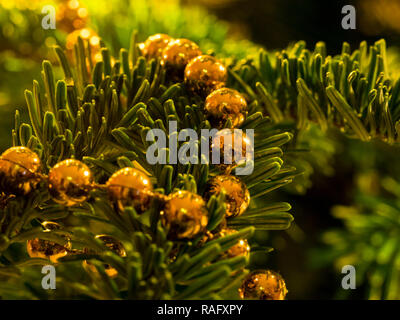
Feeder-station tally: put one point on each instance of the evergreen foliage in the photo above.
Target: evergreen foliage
(101, 114)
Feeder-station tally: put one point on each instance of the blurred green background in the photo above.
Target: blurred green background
(345, 177)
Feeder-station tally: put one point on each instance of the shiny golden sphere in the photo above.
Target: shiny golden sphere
(71, 15)
(205, 74)
(154, 45)
(38, 248)
(184, 215)
(237, 146)
(70, 182)
(176, 55)
(23, 157)
(18, 169)
(241, 248)
(263, 285)
(224, 104)
(130, 187)
(237, 196)
(112, 244)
